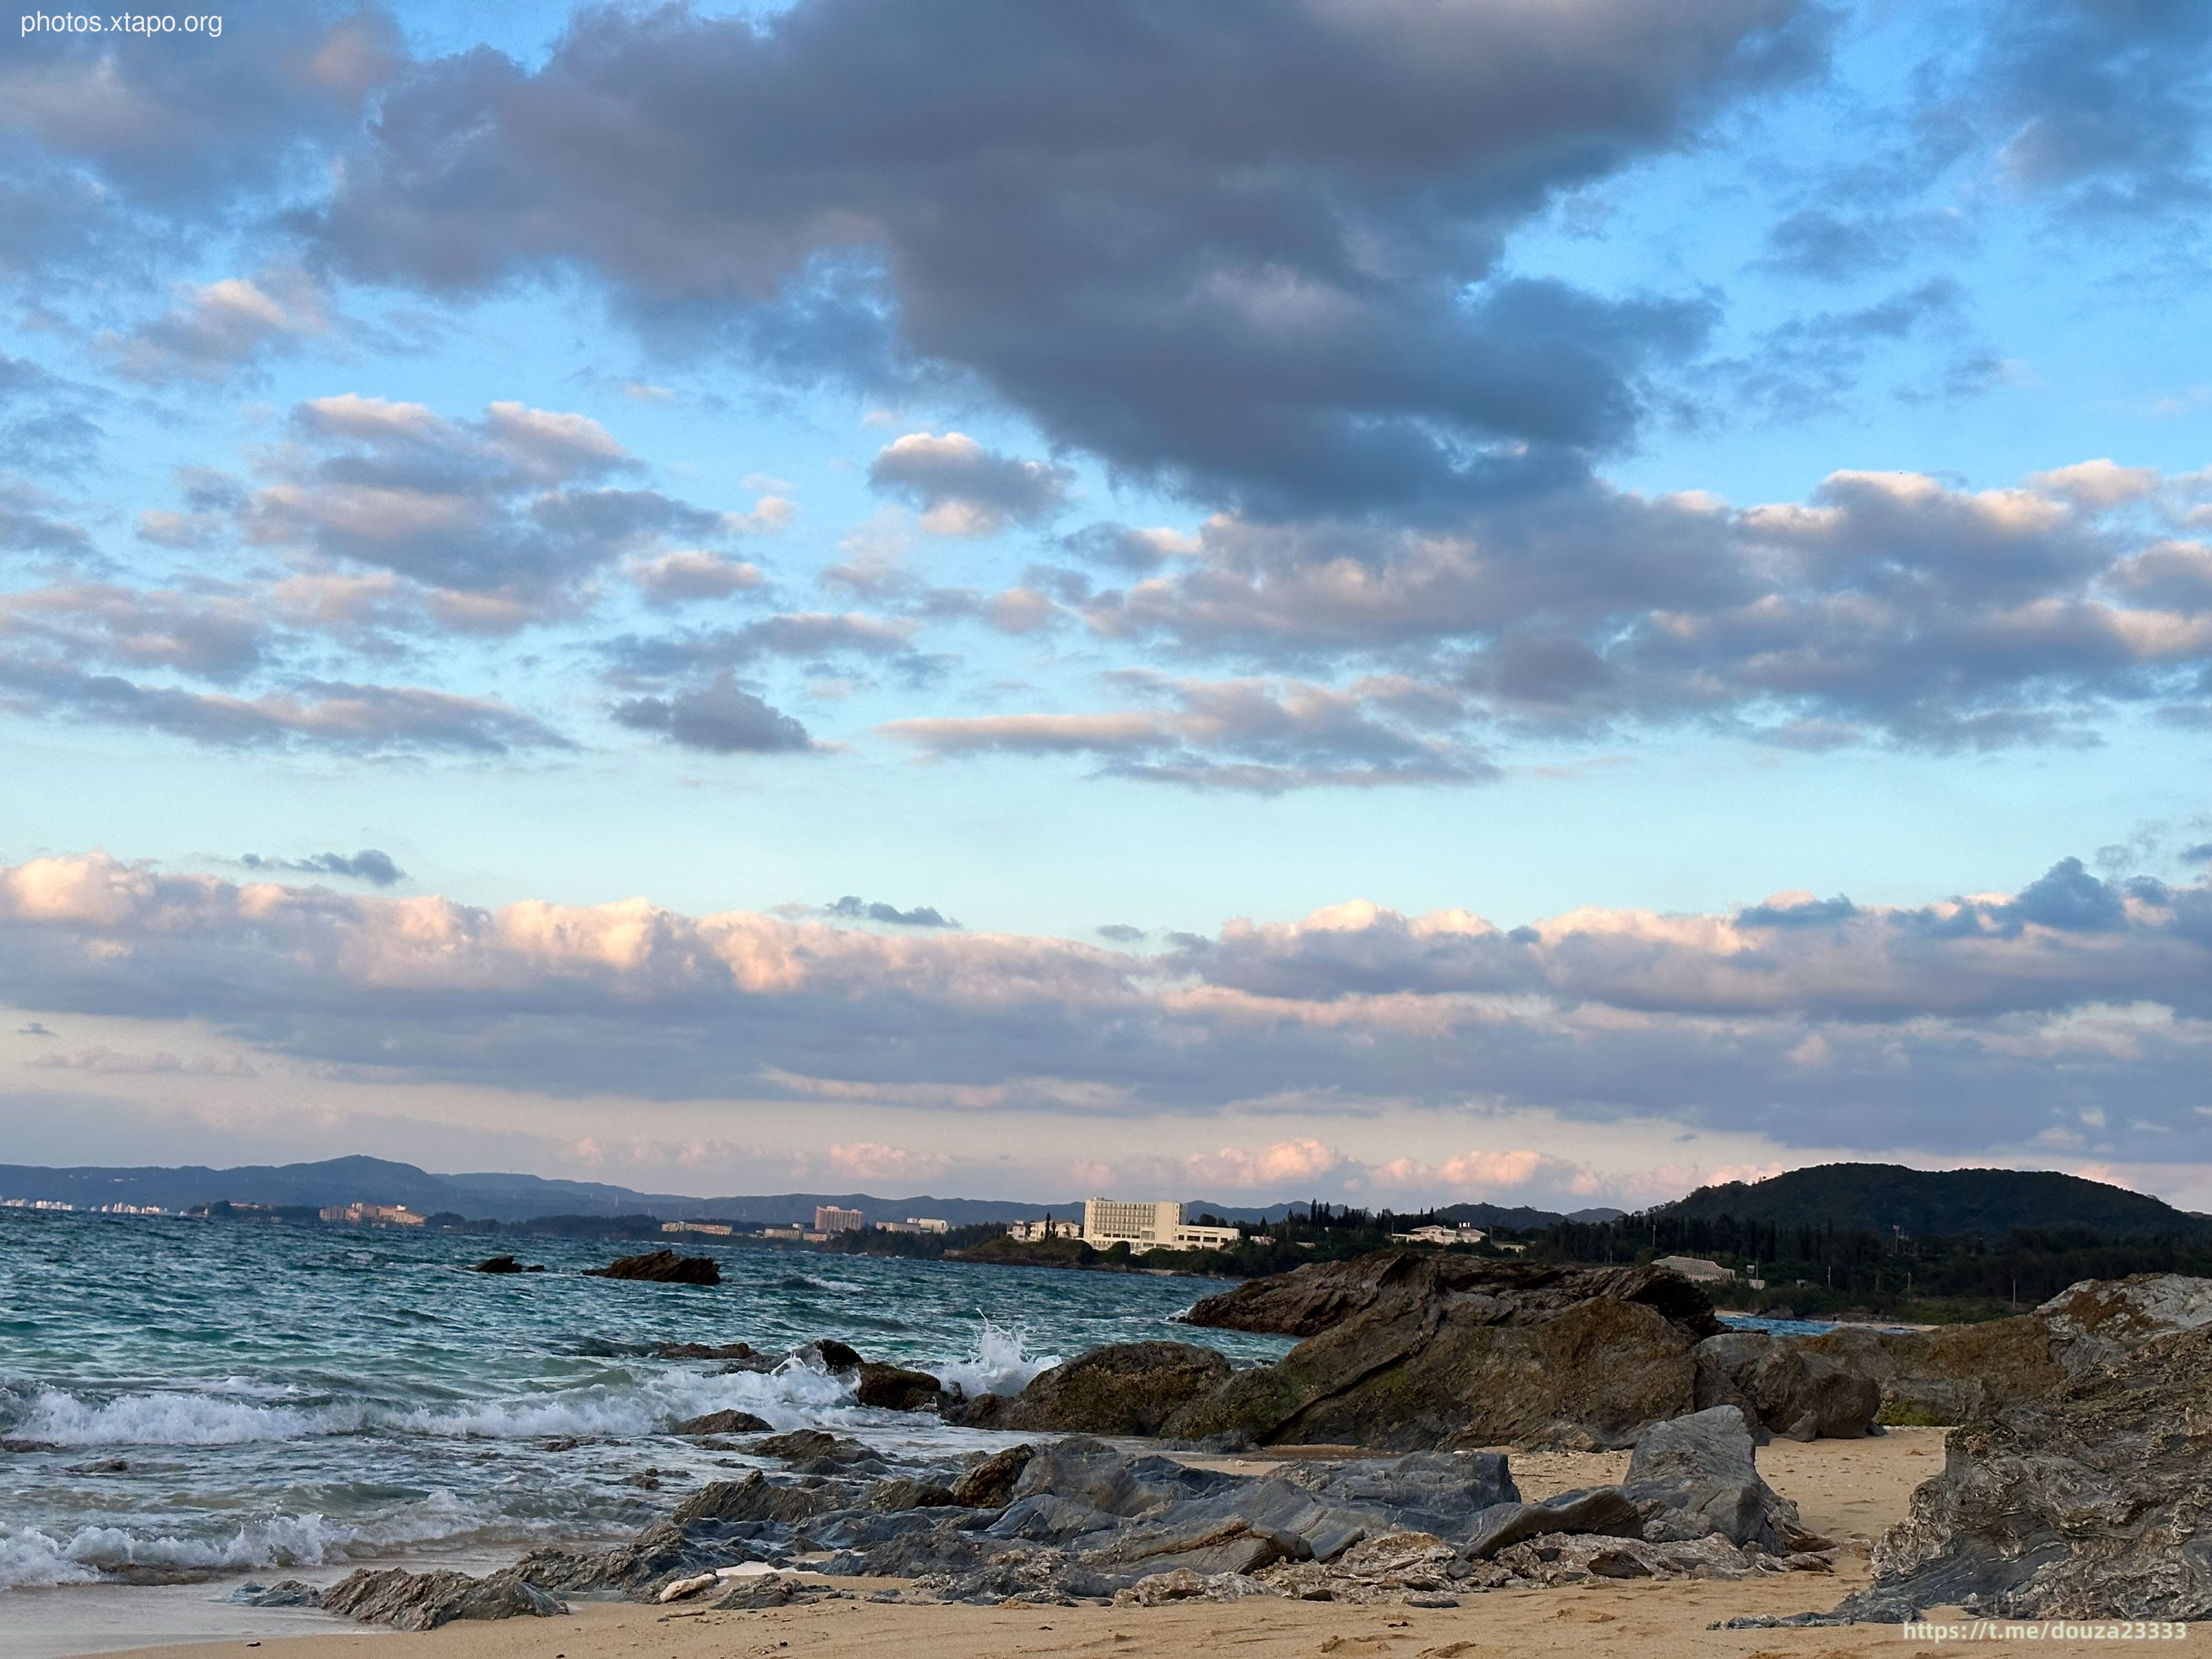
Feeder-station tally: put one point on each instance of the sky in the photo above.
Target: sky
(1401, 601)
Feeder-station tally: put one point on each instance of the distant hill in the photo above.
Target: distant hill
(1520, 1217)
(1940, 1203)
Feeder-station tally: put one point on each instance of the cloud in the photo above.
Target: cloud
(854, 909)
(1277, 1168)
(718, 718)
(367, 864)
(965, 489)
(871, 1160)
(1253, 736)
(1121, 933)
(111, 1062)
(214, 636)
(33, 1029)
(2073, 1007)
(1276, 283)
(224, 329)
(683, 578)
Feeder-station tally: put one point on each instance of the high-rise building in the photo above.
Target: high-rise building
(828, 1218)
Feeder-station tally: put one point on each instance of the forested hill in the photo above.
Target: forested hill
(1938, 1203)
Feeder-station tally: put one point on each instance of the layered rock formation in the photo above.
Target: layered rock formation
(661, 1268)
(1128, 1387)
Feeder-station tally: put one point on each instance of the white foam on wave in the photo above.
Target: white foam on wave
(1000, 1363)
(180, 1417)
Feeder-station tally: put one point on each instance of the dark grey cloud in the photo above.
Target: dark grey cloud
(852, 908)
(30, 523)
(33, 1029)
(223, 331)
(2197, 854)
(368, 864)
(325, 715)
(966, 489)
(45, 420)
(718, 717)
(1250, 250)
(216, 636)
(799, 635)
(1121, 933)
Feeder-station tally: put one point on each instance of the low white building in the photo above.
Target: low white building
(371, 1215)
(1036, 1232)
(1149, 1224)
(712, 1228)
(1696, 1268)
(1434, 1234)
(914, 1224)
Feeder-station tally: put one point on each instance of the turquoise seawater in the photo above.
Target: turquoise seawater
(185, 1398)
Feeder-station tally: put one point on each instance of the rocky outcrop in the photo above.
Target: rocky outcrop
(425, 1601)
(1482, 1367)
(1309, 1300)
(704, 1351)
(894, 1387)
(990, 1483)
(1948, 1375)
(662, 1267)
(2091, 1504)
(723, 1422)
(1786, 1388)
(1130, 1388)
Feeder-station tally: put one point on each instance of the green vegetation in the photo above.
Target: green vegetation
(1990, 1204)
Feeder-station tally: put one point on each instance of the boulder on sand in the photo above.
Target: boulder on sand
(1428, 1366)
(1698, 1475)
(425, 1601)
(661, 1268)
(2090, 1503)
(1311, 1300)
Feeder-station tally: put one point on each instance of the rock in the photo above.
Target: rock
(1470, 1370)
(1383, 1570)
(831, 1355)
(2091, 1504)
(894, 1387)
(503, 1264)
(1725, 1365)
(776, 1590)
(662, 1267)
(1698, 1475)
(1321, 1294)
(813, 1451)
(425, 1601)
(990, 1483)
(1604, 1510)
(756, 1497)
(903, 1492)
(1546, 1562)
(1159, 1588)
(723, 1422)
(1130, 1388)
(704, 1351)
(1801, 1395)
(2097, 1324)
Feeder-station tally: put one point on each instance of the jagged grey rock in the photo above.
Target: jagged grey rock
(1801, 1395)
(990, 1483)
(425, 1601)
(1699, 1474)
(2091, 1503)
(1604, 1510)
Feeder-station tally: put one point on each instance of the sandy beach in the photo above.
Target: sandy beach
(1847, 1489)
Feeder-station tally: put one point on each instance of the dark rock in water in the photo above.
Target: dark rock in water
(1130, 1388)
(662, 1267)
(990, 1483)
(894, 1387)
(1801, 1395)
(835, 1357)
(1321, 1294)
(703, 1351)
(723, 1422)
(286, 1593)
(1698, 1475)
(1417, 1371)
(1604, 1510)
(2088, 1505)
(424, 1601)
(100, 1466)
(811, 1451)
(756, 1497)
(503, 1264)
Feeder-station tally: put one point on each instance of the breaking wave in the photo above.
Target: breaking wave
(999, 1362)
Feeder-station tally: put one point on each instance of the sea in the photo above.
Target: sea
(186, 1404)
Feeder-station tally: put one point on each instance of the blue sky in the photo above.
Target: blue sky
(1295, 486)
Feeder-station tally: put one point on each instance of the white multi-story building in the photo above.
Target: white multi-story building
(1465, 1233)
(712, 1229)
(373, 1215)
(1156, 1225)
(914, 1224)
(830, 1219)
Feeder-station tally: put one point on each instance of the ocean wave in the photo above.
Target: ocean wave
(999, 1362)
(177, 1418)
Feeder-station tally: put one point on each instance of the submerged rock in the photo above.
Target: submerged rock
(704, 1351)
(425, 1601)
(661, 1268)
(503, 1264)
